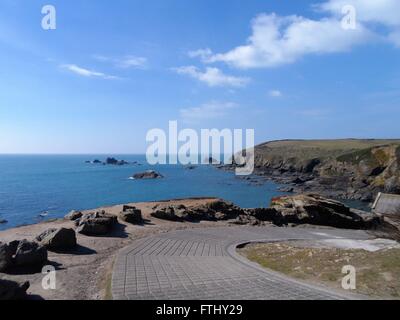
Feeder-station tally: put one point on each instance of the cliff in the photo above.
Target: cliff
(349, 169)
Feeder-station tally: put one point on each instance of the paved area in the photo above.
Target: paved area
(202, 264)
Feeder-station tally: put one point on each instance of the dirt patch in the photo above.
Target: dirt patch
(377, 273)
(85, 274)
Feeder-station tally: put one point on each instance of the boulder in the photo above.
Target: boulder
(149, 174)
(57, 239)
(172, 213)
(212, 161)
(131, 215)
(3, 221)
(11, 290)
(116, 162)
(73, 215)
(215, 210)
(30, 253)
(97, 223)
(5, 256)
(13, 245)
(112, 161)
(317, 210)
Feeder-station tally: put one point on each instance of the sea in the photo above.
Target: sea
(35, 188)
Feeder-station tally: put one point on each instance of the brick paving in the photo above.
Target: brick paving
(202, 264)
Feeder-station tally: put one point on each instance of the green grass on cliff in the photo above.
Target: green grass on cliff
(310, 149)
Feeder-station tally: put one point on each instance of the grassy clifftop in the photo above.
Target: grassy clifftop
(355, 168)
(310, 149)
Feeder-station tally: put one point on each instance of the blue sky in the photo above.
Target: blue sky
(111, 71)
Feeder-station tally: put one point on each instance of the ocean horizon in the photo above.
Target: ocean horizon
(39, 187)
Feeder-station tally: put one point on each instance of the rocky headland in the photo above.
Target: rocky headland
(343, 169)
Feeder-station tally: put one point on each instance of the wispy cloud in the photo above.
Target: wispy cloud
(207, 111)
(279, 40)
(86, 72)
(125, 62)
(275, 93)
(203, 54)
(213, 77)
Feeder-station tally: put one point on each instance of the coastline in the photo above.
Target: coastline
(84, 274)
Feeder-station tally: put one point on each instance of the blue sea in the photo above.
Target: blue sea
(34, 188)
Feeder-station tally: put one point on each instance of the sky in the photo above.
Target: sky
(112, 71)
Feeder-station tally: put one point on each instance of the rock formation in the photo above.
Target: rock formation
(96, 223)
(149, 174)
(57, 239)
(131, 215)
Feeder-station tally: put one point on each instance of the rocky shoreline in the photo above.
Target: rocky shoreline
(82, 246)
(342, 169)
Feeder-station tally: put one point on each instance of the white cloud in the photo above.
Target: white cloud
(275, 93)
(211, 110)
(131, 62)
(213, 77)
(204, 54)
(277, 40)
(378, 11)
(125, 62)
(384, 13)
(86, 72)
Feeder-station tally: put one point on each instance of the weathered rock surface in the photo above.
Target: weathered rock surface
(131, 215)
(109, 161)
(11, 290)
(73, 215)
(216, 210)
(57, 239)
(317, 210)
(5, 256)
(347, 169)
(96, 223)
(149, 174)
(113, 161)
(29, 253)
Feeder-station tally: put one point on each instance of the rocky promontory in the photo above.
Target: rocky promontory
(346, 169)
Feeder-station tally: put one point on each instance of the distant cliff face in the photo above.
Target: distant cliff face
(354, 169)
(375, 168)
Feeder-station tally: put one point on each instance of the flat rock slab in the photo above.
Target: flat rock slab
(202, 264)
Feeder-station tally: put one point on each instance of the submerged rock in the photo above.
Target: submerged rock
(149, 174)
(113, 161)
(212, 161)
(3, 221)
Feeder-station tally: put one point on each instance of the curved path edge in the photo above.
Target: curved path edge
(203, 264)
